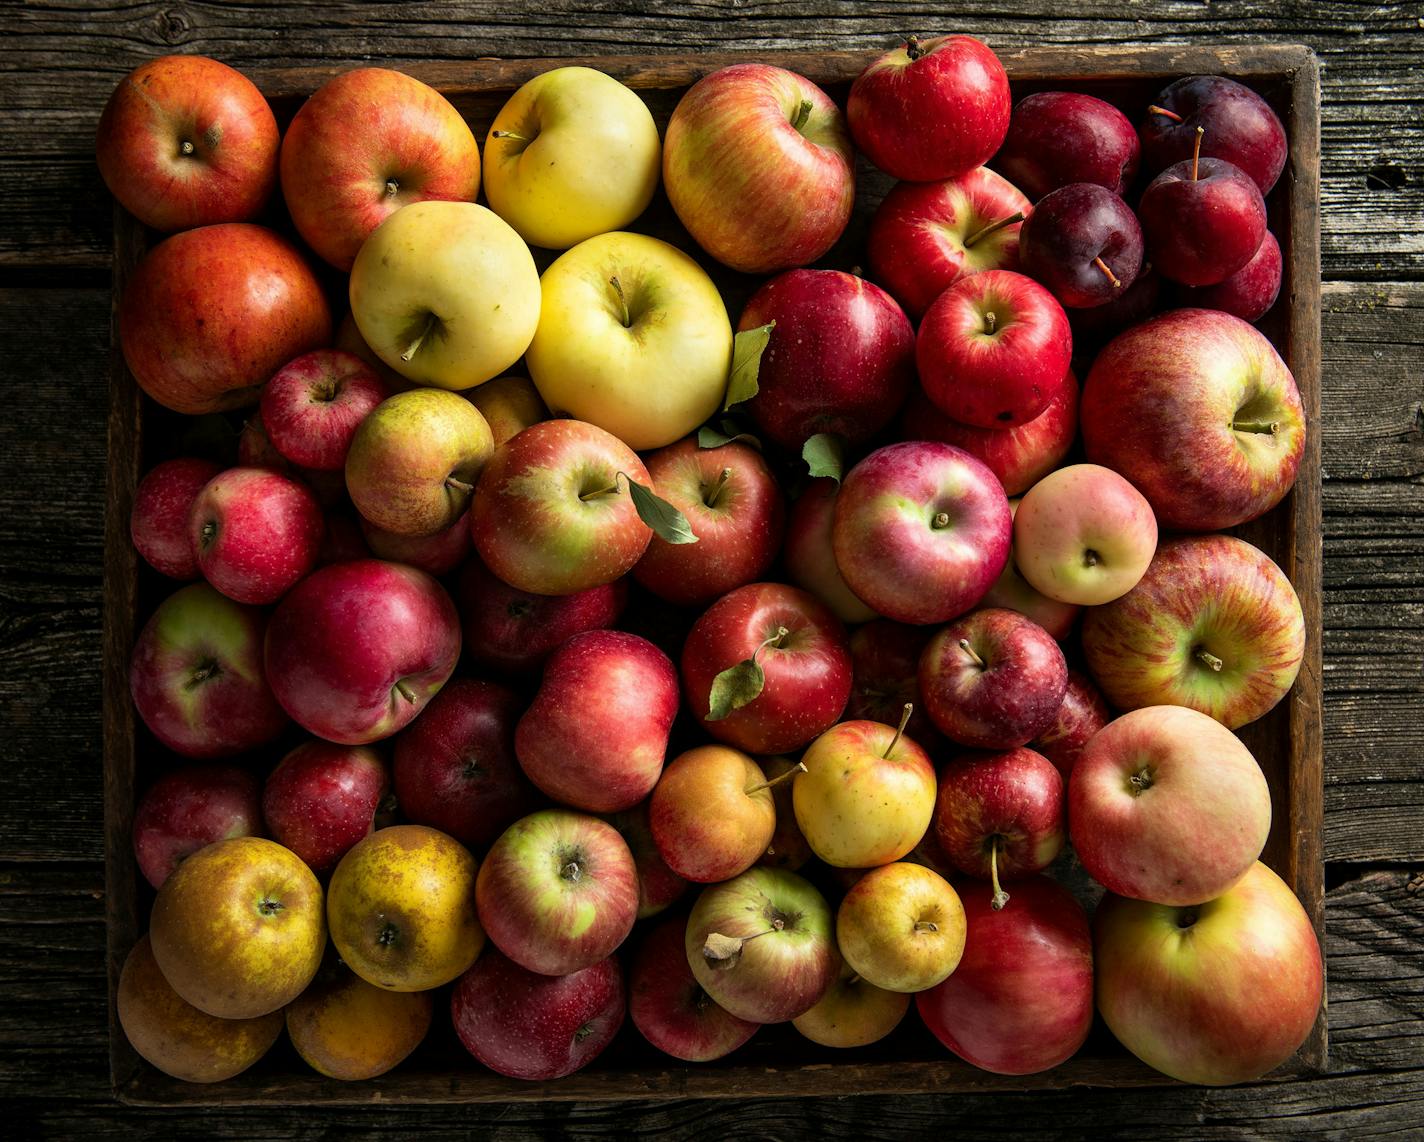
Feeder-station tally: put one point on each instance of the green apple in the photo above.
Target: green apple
(445, 293)
(573, 153)
(632, 337)
(901, 927)
(852, 1013)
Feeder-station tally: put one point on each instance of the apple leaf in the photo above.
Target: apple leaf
(734, 688)
(824, 454)
(666, 521)
(728, 432)
(747, 348)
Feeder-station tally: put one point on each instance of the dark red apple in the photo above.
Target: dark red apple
(1237, 124)
(809, 552)
(158, 524)
(658, 885)
(323, 798)
(1084, 243)
(1060, 137)
(188, 809)
(1203, 220)
(313, 405)
(436, 554)
(342, 541)
(885, 659)
(1250, 292)
(1083, 713)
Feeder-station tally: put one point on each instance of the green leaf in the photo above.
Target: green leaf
(729, 432)
(734, 688)
(824, 454)
(666, 521)
(747, 348)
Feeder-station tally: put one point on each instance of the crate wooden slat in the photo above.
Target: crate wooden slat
(1288, 742)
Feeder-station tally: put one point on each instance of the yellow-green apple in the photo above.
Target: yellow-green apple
(553, 513)
(312, 406)
(766, 668)
(787, 848)
(1214, 993)
(368, 142)
(733, 505)
(993, 348)
(762, 945)
(323, 798)
(511, 632)
(1060, 137)
(158, 523)
(357, 682)
(1013, 592)
(921, 531)
(712, 813)
(187, 141)
(558, 891)
(537, 1027)
(931, 109)
(1237, 125)
(1021, 999)
(809, 555)
(1166, 804)
(1083, 713)
(1198, 410)
(401, 905)
(1084, 243)
(999, 814)
(414, 461)
(885, 658)
(437, 554)
(1249, 293)
(901, 927)
(445, 293)
(867, 795)
(210, 314)
(925, 236)
(596, 734)
(669, 1007)
(454, 767)
(633, 337)
(1203, 219)
(179, 1039)
(189, 808)
(255, 533)
(852, 1013)
(509, 405)
(238, 929)
(345, 1028)
(839, 359)
(197, 678)
(993, 679)
(1084, 535)
(1213, 624)
(573, 153)
(658, 885)
(758, 165)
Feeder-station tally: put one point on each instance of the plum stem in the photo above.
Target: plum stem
(715, 492)
(985, 231)
(1196, 151)
(1000, 896)
(799, 767)
(622, 300)
(1209, 659)
(900, 729)
(969, 650)
(414, 346)
(1172, 115)
(1112, 277)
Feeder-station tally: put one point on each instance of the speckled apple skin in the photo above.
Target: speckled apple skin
(1016, 795)
(313, 405)
(322, 798)
(1060, 137)
(188, 809)
(158, 525)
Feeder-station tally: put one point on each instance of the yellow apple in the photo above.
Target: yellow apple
(902, 927)
(445, 293)
(346, 1028)
(509, 406)
(852, 1013)
(632, 337)
(573, 153)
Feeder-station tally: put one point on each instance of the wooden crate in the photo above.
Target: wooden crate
(778, 1062)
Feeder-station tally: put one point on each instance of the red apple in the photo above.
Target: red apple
(1237, 125)
(1250, 292)
(188, 809)
(1060, 137)
(436, 554)
(158, 524)
(1013, 592)
(342, 541)
(658, 885)
(712, 814)
(1203, 220)
(323, 798)
(885, 658)
(312, 406)
(809, 554)
(1083, 713)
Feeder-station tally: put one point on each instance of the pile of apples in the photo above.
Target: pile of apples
(709, 676)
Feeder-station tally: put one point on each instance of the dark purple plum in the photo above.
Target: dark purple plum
(1084, 243)
(1240, 128)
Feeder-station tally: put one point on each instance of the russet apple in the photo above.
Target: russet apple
(347, 1029)
(901, 927)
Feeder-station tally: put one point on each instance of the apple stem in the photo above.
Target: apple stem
(1000, 896)
(269, 907)
(926, 926)
(185, 147)
(612, 488)
(1263, 426)
(1205, 656)
(414, 346)
(1196, 151)
(799, 767)
(775, 640)
(969, 650)
(515, 135)
(904, 719)
(991, 319)
(985, 231)
(715, 494)
(803, 112)
(458, 484)
(205, 537)
(912, 47)
(405, 691)
(1112, 277)
(854, 979)
(622, 300)
(718, 947)
(1172, 115)
(208, 668)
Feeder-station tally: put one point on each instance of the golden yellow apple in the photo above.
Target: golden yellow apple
(852, 1013)
(902, 927)
(509, 406)
(346, 1028)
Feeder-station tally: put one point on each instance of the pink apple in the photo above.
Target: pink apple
(323, 798)
(809, 555)
(158, 524)
(885, 659)
(658, 885)
(1013, 592)
(188, 809)
(1061, 137)
(312, 406)
(436, 554)
(1083, 713)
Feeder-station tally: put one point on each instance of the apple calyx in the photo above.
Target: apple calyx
(414, 347)
(1196, 151)
(711, 495)
(402, 687)
(993, 227)
(1000, 897)
(969, 650)
(392, 187)
(740, 683)
(724, 951)
(388, 935)
(208, 533)
(1186, 918)
(1138, 783)
(622, 301)
(912, 47)
(1153, 109)
(1206, 658)
(799, 767)
(1112, 277)
(900, 729)
(1091, 558)
(269, 907)
(803, 112)
(571, 871)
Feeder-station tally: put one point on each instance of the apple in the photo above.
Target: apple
(436, 554)
(158, 523)
(211, 313)
(312, 406)
(758, 165)
(931, 109)
(187, 141)
(347, 1029)
(445, 293)
(573, 153)
(596, 735)
(1249, 293)
(1083, 713)
(901, 927)
(537, 1027)
(558, 891)
(1217, 993)
(791, 668)
(323, 798)
(343, 540)
(1166, 804)
(840, 357)
(188, 809)
(1198, 410)
(925, 236)
(1096, 325)
(852, 1013)
(788, 848)
(509, 405)
(348, 338)
(1084, 243)
(1237, 125)
(355, 683)
(993, 679)
(368, 142)
(1061, 137)
(1021, 1000)
(993, 348)
(658, 886)
(885, 659)
(762, 946)
(238, 929)
(669, 1007)
(1013, 592)
(809, 555)
(633, 337)
(733, 505)
(1203, 220)
(1213, 625)
(197, 678)
(401, 906)
(921, 531)
(179, 1039)
(712, 814)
